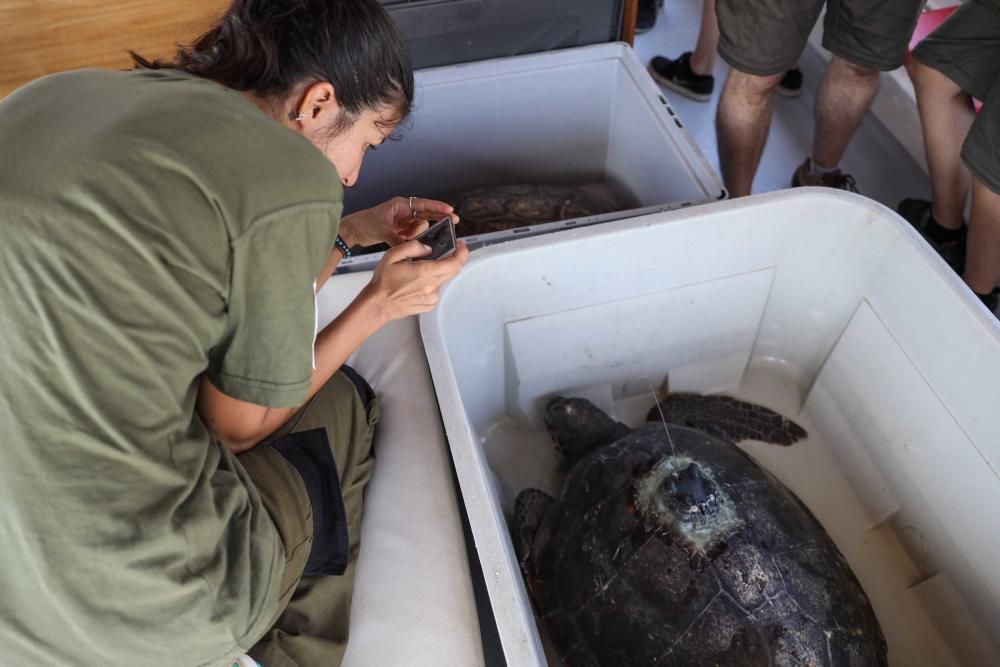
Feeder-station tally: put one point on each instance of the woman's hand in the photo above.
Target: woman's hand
(393, 222)
(401, 287)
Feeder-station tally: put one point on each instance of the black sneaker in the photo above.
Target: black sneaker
(917, 212)
(677, 75)
(645, 15)
(835, 179)
(791, 83)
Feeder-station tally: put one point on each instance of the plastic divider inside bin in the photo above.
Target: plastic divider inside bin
(825, 306)
(583, 116)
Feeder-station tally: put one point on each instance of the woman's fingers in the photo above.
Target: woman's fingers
(408, 287)
(411, 229)
(405, 251)
(430, 209)
(449, 267)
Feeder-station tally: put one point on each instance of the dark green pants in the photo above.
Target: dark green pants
(311, 624)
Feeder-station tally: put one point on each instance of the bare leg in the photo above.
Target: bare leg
(982, 263)
(741, 125)
(945, 116)
(703, 58)
(842, 101)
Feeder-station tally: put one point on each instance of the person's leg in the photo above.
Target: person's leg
(703, 56)
(865, 38)
(982, 264)
(690, 74)
(842, 101)
(741, 124)
(981, 155)
(961, 58)
(945, 118)
(760, 40)
(313, 628)
(286, 500)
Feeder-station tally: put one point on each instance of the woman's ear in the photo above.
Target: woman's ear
(317, 105)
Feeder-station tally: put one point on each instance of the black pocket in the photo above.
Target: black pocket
(310, 454)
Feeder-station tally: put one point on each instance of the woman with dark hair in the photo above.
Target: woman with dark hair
(183, 453)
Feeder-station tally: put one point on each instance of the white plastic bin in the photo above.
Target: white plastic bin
(586, 116)
(823, 305)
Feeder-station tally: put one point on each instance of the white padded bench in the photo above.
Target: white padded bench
(413, 601)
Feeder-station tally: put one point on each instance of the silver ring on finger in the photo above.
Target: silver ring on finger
(413, 212)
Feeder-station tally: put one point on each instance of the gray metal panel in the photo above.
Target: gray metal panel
(448, 32)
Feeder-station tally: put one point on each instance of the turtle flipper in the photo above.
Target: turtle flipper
(579, 427)
(728, 418)
(530, 507)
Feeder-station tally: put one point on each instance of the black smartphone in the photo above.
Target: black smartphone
(441, 238)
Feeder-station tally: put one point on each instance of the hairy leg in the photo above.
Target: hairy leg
(741, 125)
(703, 57)
(842, 101)
(982, 263)
(945, 117)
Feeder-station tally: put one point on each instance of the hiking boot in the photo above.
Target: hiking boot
(677, 75)
(835, 179)
(645, 15)
(791, 84)
(917, 212)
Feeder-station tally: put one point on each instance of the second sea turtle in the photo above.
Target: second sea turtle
(498, 208)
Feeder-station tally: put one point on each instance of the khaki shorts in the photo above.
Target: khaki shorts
(966, 49)
(766, 37)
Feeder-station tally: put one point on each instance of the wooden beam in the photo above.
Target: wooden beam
(39, 37)
(629, 10)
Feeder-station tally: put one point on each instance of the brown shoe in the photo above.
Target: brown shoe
(835, 179)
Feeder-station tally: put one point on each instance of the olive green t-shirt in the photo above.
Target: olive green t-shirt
(154, 227)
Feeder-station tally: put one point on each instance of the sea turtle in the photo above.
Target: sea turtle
(497, 208)
(671, 546)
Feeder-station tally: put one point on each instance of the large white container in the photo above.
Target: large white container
(822, 305)
(588, 116)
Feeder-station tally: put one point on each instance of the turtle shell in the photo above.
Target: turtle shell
(499, 208)
(621, 575)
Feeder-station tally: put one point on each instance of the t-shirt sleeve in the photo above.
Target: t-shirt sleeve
(266, 356)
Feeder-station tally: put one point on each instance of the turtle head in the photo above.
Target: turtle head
(578, 426)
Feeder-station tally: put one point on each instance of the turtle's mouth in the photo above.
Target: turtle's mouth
(682, 495)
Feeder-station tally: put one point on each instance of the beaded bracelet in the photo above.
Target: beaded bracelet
(342, 247)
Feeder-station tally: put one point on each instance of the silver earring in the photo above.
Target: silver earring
(300, 117)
